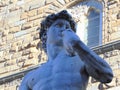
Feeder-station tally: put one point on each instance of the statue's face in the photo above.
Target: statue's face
(54, 34)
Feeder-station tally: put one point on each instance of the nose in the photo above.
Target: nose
(64, 28)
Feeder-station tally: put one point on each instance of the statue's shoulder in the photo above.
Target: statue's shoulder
(44, 66)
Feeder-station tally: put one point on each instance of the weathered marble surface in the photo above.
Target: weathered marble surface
(70, 62)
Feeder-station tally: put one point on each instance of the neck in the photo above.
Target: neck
(53, 50)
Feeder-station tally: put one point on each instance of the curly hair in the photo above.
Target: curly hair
(49, 20)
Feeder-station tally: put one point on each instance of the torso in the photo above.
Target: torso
(63, 73)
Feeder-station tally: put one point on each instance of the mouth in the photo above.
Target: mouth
(61, 33)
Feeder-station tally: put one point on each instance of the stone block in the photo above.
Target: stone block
(116, 72)
(18, 23)
(57, 4)
(10, 37)
(33, 50)
(114, 23)
(1, 23)
(7, 63)
(4, 39)
(48, 11)
(12, 87)
(113, 16)
(31, 55)
(20, 2)
(20, 48)
(36, 37)
(13, 50)
(35, 6)
(20, 33)
(118, 15)
(111, 2)
(14, 68)
(41, 2)
(2, 87)
(115, 29)
(2, 5)
(14, 29)
(14, 1)
(23, 59)
(1, 53)
(115, 35)
(26, 7)
(2, 62)
(26, 52)
(13, 61)
(27, 25)
(36, 17)
(29, 63)
(16, 55)
(53, 7)
(27, 40)
(49, 1)
(61, 1)
(14, 19)
(13, 9)
(118, 22)
(4, 70)
(5, 32)
(24, 15)
(16, 43)
(36, 22)
(113, 6)
(66, 1)
(41, 10)
(32, 12)
(30, 5)
(30, 44)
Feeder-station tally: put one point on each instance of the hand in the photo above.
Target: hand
(69, 40)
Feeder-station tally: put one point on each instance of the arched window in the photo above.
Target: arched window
(88, 15)
(93, 28)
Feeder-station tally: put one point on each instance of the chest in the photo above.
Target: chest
(63, 72)
(67, 64)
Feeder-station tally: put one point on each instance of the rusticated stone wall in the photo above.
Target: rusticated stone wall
(111, 21)
(20, 47)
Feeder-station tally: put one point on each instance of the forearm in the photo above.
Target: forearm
(95, 65)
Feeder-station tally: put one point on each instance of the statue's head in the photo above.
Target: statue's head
(49, 20)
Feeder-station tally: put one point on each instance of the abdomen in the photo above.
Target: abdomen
(67, 75)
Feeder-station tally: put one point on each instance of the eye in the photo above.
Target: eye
(68, 27)
(59, 25)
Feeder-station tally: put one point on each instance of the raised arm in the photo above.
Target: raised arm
(95, 65)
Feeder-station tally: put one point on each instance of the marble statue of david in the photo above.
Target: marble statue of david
(70, 62)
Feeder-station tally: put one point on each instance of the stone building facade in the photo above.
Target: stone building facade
(20, 46)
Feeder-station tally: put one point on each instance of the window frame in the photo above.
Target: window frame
(99, 6)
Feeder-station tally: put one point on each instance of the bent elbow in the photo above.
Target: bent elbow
(107, 78)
